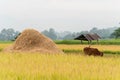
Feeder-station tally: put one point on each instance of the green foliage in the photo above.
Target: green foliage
(116, 33)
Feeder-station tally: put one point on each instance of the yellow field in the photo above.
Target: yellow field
(80, 47)
(35, 66)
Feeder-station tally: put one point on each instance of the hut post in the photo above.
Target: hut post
(88, 42)
(81, 42)
(97, 41)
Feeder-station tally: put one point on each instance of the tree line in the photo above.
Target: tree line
(67, 35)
(10, 34)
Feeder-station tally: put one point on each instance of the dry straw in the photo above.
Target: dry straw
(31, 40)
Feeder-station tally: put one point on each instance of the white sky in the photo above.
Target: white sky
(62, 15)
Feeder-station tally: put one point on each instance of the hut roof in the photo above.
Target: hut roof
(88, 37)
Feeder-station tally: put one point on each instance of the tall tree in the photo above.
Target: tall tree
(51, 33)
(116, 33)
(8, 34)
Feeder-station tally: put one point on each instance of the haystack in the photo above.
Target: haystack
(31, 40)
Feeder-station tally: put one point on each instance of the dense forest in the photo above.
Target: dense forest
(11, 34)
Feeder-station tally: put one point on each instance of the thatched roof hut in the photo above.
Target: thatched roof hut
(88, 37)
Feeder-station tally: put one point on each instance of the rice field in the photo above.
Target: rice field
(100, 47)
(35, 66)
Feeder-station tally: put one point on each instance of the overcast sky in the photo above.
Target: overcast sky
(62, 15)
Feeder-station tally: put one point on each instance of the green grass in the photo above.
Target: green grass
(69, 51)
(6, 42)
(110, 42)
(68, 42)
(101, 42)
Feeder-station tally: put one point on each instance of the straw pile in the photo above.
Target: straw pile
(31, 40)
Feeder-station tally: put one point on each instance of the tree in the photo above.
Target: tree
(8, 34)
(68, 37)
(84, 32)
(46, 33)
(94, 30)
(104, 33)
(116, 33)
(51, 33)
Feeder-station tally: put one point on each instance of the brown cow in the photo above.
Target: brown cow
(92, 51)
